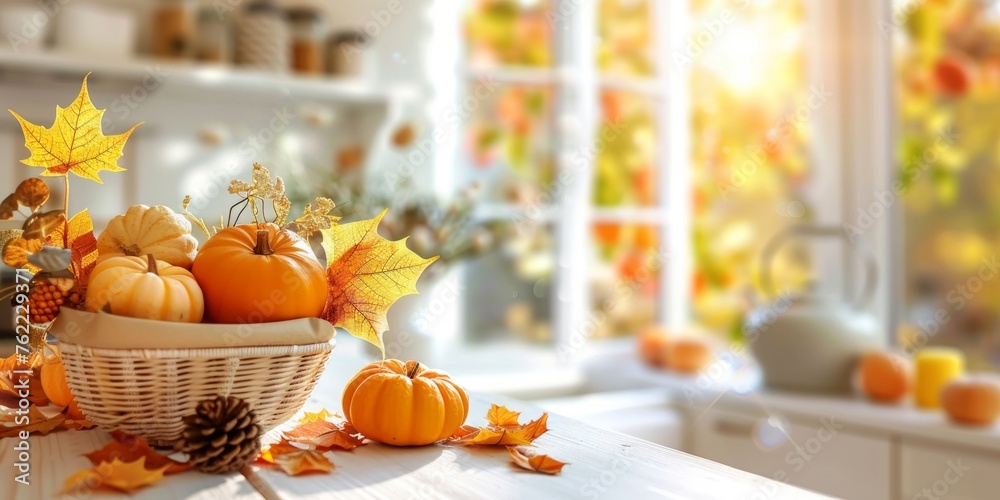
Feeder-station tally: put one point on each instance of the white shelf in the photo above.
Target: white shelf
(637, 215)
(488, 212)
(516, 75)
(636, 85)
(196, 76)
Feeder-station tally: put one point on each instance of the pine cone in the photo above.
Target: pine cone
(222, 436)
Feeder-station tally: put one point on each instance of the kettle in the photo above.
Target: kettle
(810, 343)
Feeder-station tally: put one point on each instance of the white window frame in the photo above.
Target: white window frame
(851, 152)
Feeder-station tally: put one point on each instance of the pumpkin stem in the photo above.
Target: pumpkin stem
(263, 243)
(151, 264)
(413, 371)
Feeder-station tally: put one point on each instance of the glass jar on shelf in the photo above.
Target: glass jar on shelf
(307, 31)
(213, 42)
(173, 29)
(262, 36)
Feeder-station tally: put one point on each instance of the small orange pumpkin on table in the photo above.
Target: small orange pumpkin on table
(258, 273)
(404, 404)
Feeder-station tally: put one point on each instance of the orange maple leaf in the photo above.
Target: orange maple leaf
(501, 416)
(75, 142)
(325, 434)
(37, 423)
(128, 448)
(294, 460)
(530, 459)
(126, 476)
(503, 429)
(489, 436)
(9, 378)
(366, 275)
(81, 241)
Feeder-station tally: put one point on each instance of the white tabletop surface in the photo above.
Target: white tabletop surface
(602, 464)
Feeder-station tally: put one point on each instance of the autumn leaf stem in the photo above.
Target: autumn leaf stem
(66, 209)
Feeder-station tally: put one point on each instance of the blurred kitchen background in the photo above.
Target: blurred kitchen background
(591, 171)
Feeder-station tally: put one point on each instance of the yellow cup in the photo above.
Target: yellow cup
(935, 367)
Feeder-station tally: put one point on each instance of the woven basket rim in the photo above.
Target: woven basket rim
(212, 352)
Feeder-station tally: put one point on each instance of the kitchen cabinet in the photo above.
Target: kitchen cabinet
(932, 470)
(824, 454)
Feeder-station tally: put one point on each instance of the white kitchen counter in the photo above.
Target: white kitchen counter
(741, 393)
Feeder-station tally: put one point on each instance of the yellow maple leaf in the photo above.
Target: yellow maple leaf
(501, 416)
(75, 142)
(323, 414)
(366, 275)
(122, 476)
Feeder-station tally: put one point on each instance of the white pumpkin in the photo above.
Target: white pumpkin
(156, 231)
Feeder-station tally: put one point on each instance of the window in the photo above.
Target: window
(750, 151)
(691, 167)
(948, 98)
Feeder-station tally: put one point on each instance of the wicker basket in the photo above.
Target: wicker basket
(147, 391)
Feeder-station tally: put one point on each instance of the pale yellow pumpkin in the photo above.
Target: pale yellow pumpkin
(404, 404)
(149, 230)
(145, 288)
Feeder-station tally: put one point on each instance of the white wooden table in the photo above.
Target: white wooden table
(601, 465)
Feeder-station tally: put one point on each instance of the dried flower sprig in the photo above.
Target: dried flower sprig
(255, 194)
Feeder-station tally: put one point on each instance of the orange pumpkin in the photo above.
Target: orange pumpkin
(404, 404)
(885, 377)
(259, 273)
(54, 381)
(688, 354)
(973, 400)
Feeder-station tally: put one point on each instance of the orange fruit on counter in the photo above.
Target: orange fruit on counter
(972, 400)
(688, 354)
(885, 377)
(258, 274)
(404, 404)
(653, 345)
